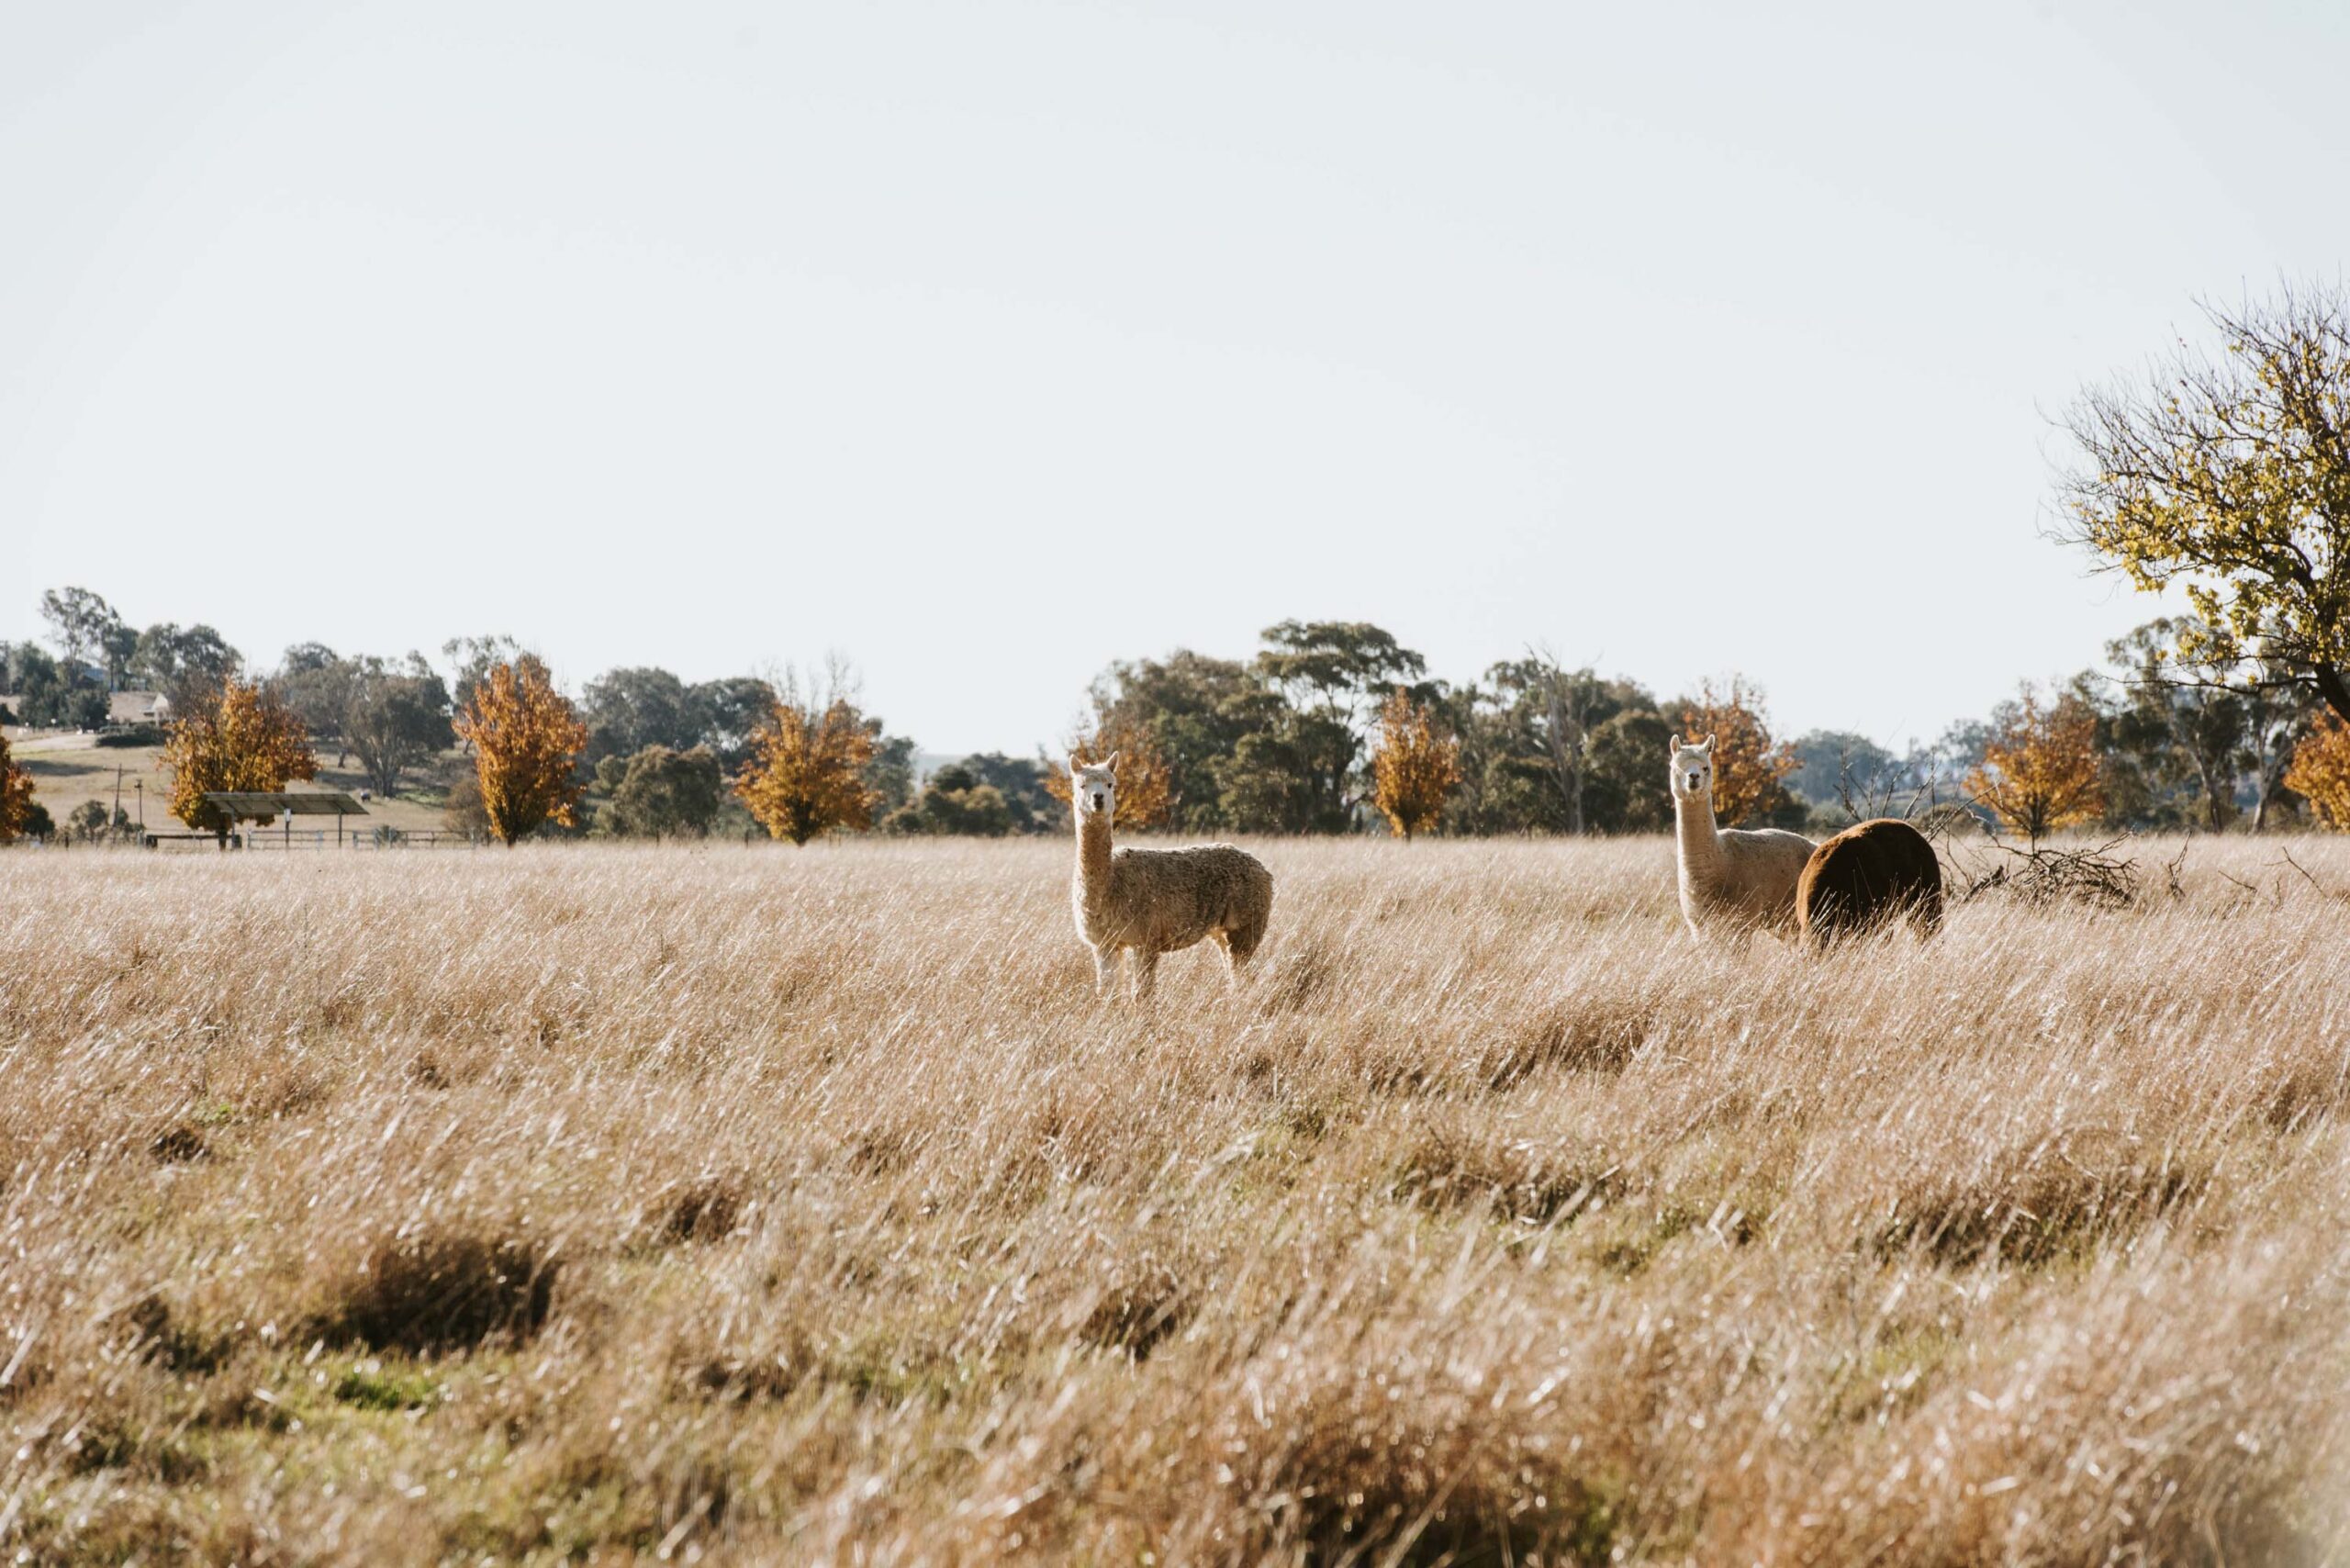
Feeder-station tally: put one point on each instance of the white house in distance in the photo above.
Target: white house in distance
(137, 708)
(123, 708)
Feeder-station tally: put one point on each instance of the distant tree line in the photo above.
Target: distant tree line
(1294, 739)
(2157, 741)
(663, 752)
(96, 653)
(1328, 727)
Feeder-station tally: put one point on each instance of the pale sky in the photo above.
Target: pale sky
(985, 343)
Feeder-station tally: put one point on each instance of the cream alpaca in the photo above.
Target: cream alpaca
(1732, 880)
(1155, 901)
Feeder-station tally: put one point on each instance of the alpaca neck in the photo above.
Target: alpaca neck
(1093, 853)
(1701, 845)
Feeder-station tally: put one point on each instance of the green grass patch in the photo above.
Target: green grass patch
(370, 1385)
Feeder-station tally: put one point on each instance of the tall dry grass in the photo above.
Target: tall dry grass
(753, 1206)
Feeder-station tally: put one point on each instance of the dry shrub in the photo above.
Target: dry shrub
(2305, 1090)
(1579, 1034)
(162, 1336)
(710, 1208)
(444, 1290)
(1521, 1178)
(1136, 1306)
(1305, 975)
(1347, 1432)
(2062, 1194)
(1378, 1468)
(178, 1144)
(737, 1379)
(1134, 1289)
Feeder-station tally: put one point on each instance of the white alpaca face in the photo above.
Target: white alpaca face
(1093, 789)
(1693, 770)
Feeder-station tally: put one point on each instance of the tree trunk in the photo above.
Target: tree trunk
(2211, 818)
(1566, 752)
(2268, 774)
(2335, 688)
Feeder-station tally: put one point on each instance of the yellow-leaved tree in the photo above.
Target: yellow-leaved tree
(1749, 765)
(527, 738)
(2040, 769)
(2321, 771)
(1414, 767)
(235, 735)
(2227, 475)
(806, 775)
(15, 794)
(1146, 793)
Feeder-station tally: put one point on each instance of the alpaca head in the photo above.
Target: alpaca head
(1094, 787)
(1693, 770)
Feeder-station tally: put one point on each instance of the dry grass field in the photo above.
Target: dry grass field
(746, 1205)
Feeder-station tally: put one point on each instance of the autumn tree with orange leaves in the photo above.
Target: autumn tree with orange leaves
(1145, 792)
(2040, 770)
(527, 741)
(1750, 768)
(806, 775)
(15, 794)
(234, 736)
(2321, 771)
(1414, 767)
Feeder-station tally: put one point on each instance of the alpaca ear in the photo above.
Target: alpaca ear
(1111, 761)
(1706, 746)
(1676, 742)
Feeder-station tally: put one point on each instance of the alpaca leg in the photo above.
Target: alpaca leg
(1722, 933)
(1146, 963)
(1105, 968)
(1227, 941)
(1240, 945)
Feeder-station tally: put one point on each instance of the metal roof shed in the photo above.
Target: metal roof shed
(266, 805)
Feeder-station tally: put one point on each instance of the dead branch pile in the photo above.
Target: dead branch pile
(2091, 875)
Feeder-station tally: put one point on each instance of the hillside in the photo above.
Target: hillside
(70, 768)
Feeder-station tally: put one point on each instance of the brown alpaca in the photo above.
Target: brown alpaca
(1151, 902)
(1869, 875)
